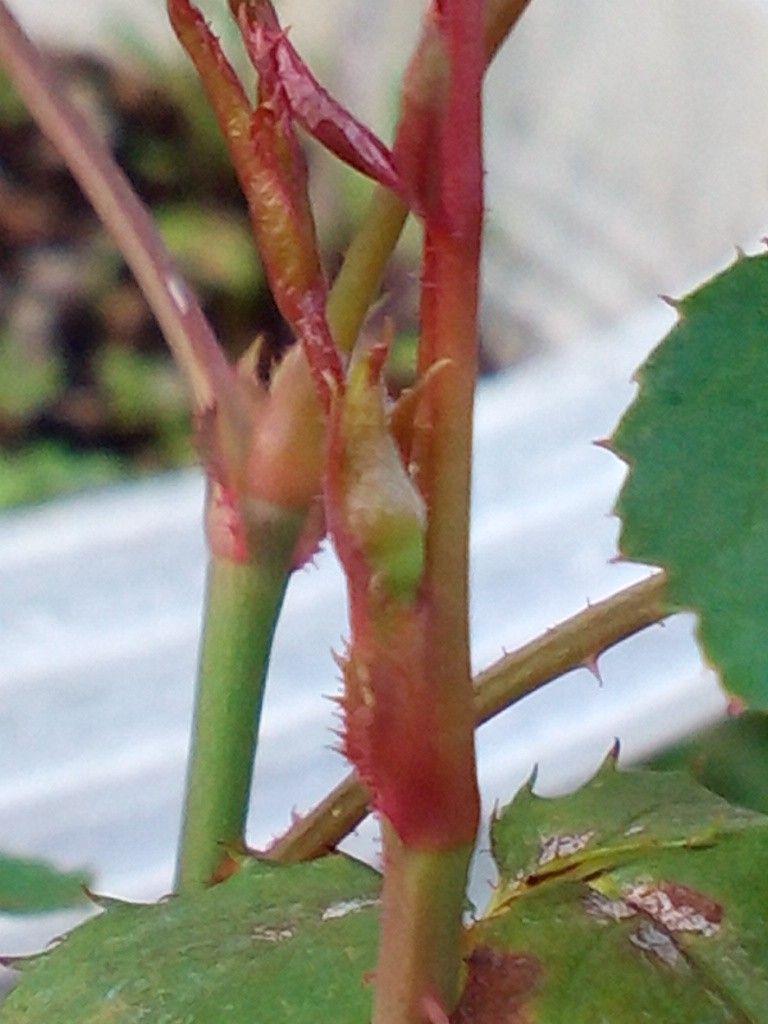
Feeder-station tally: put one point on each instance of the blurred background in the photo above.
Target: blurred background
(627, 155)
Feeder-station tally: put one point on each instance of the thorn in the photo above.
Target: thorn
(605, 443)
(765, 241)
(102, 901)
(740, 254)
(618, 559)
(672, 303)
(433, 1010)
(529, 785)
(590, 664)
(613, 753)
(736, 706)
(227, 868)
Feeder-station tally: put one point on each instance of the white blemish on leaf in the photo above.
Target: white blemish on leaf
(266, 934)
(345, 907)
(634, 830)
(566, 845)
(673, 907)
(605, 909)
(656, 942)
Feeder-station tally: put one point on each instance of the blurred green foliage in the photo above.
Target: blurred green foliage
(88, 394)
(731, 759)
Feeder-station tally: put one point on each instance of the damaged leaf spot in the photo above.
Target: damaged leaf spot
(657, 943)
(604, 909)
(557, 847)
(676, 907)
(341, 909)
(499, 988)
(634, 830)
(263, 933)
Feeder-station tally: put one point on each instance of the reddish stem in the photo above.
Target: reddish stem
(449, 331)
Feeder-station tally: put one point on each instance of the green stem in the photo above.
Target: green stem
(359, 278)
(242, 605)
(420, 954)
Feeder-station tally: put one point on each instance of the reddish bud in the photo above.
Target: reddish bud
(392, 725)
(269, 163)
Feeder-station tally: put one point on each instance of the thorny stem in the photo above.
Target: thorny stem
(578, 640)
(414, 966)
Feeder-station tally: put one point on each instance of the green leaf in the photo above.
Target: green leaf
(285, 944)
(33, 887)
(640, 898)
(696, 498)
(731, 759)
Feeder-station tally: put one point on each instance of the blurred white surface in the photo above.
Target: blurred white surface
(99, 612)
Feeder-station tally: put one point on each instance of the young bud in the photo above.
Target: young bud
(374, 507)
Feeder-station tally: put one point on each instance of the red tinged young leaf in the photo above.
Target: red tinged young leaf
(275, 185)
(322, 355)
(224, 90)
(285, 463)
(269, 163)
(281, 68)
